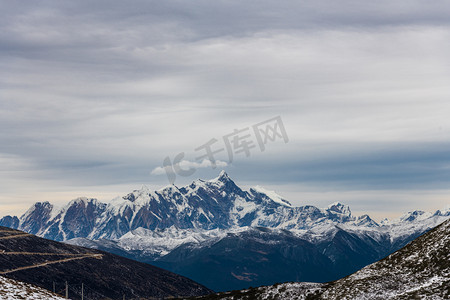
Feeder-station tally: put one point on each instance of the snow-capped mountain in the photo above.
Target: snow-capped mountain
(166, 226)
(203, 205)
(420, 270)
(254, 256)
(77, 218)
(200, 206)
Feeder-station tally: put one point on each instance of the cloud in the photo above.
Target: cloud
(95, 93)
(186, 164)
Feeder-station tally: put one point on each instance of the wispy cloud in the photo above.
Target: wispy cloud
(186, 164)
(98, 94)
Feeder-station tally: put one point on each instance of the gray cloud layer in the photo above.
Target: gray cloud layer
(97, 94)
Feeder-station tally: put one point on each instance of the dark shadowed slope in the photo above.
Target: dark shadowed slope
(41, 262)
(420, 270)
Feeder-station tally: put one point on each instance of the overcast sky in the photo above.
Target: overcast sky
(94, 95)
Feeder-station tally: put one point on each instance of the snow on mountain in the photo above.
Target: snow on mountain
(271, 195)
(163, 219)
(161, 241)
(36, 217)
(366, 221)
(177, 226)
(340, 208)
(11, 289)
(412, 216)
(348, 246)
(401, 229)
(203, 205)
(420, 270)
(75, 219)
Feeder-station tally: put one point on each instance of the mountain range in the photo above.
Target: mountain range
(420, 270)
(225, 237)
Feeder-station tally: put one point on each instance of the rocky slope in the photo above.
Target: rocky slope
(11, 289)
(420, 270)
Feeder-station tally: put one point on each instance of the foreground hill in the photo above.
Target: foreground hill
(42, 262)
(420, 270)
(11, 289)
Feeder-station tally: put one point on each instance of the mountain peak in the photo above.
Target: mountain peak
(414, 215)
(223, 177)
(83, 200)
(169, 189)
(38, 208)
(42, 204)
(365, 220)
(338, 207)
